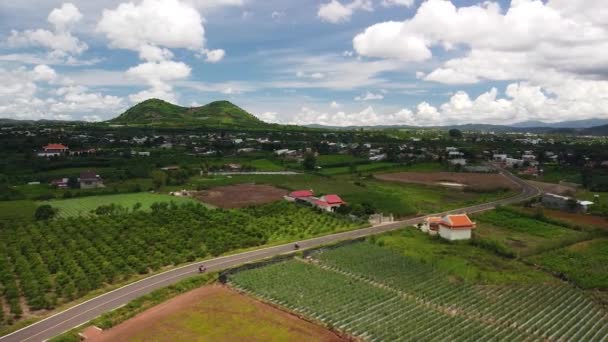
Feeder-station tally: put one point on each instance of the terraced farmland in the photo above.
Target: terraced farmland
(377, 294)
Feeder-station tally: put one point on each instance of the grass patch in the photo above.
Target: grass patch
(585, 263)
(266, 165)
(84, 205)
(462, 259)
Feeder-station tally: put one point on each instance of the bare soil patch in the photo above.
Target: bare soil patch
(554, 188)
(241, 195)
(216, 313)
(473, 181)
(581, 219)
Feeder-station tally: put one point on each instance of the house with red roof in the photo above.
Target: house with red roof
(456, 227)
(53, 150)
(328, 202)
(302, 195)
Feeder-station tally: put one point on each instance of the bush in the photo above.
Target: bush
(45, 212)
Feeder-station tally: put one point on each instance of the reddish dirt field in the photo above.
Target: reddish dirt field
(238, 196)
(582, 219)
(482, 181)
(216, 313)
(554, 188)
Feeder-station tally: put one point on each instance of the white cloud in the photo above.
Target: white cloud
(391, 3)
(335, 12)
(162, 23)
(64, 17)
(214, 56)
(44, 73)
(24, 94)
(335, 105)
(60, 41)
(554, 52)
(268, 116)
(157, 75)
(368, 96)
(277, 15)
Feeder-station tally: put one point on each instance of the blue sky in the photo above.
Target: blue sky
(337, 62)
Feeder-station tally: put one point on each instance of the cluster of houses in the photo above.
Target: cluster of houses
(56, 150)
(87, 180)
(449, 227)
(328, 203)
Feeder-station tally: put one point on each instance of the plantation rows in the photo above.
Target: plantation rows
(377, 294)
(61, 260)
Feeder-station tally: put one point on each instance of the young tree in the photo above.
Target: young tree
(455, 133)
(159, 178)
(310, 161)
(45, 212)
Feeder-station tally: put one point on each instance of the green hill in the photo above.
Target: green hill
(157, 112)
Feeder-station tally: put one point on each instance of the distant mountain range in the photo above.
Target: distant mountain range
(563, 124)
(224, 114)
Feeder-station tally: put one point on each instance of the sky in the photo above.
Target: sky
(331, 62)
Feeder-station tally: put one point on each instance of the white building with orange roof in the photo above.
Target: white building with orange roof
(456, 227)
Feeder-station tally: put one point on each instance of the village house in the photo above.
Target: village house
(328, 202)
(449, 227)
(53, 150)
(90, 180)
(61, 183)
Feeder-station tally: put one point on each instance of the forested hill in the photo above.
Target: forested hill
(157, 112)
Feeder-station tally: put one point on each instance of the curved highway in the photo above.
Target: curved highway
(86, 311)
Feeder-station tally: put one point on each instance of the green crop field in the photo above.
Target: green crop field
(15, 211)
(586, 263)
(377, 294)
(67, 258)
(518, 234)
(266, 165)
(84, 205)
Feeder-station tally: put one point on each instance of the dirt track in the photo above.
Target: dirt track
(554, 188)
(238, 196)
(482, 181)
(215, 313)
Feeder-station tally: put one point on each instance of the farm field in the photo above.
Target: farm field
(475, 181)
(575, 218)
(586, 263)
(68, 258)
(241, 195)
(511, 233)
(374, 293)
(17, 211)
(216, 313)
(461, 260)
(388, 197)
(84, 205)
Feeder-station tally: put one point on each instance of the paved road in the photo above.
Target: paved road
(90, 309)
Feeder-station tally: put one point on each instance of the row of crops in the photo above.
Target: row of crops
(62, 260)
(377, 294)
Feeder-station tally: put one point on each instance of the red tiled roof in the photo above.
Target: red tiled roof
(55, 147)
(434, 219)
(458, 221)
(301, 193)
(333, 199)
(322, 203)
